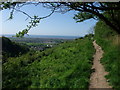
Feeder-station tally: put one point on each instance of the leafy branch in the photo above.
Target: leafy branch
(35, 20)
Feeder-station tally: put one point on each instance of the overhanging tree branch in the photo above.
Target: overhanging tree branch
(98, 11)
(33, 23)
(94, 10)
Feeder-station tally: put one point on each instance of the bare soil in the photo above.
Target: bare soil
(97, 79)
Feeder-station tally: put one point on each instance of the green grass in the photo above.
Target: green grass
(111, 58)
(65, 66)
(36, 44)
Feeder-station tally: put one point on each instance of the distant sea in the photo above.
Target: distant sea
(44, 36)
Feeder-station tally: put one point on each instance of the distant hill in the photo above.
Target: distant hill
(11, 49)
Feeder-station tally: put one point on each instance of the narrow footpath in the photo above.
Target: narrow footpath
(97, 79)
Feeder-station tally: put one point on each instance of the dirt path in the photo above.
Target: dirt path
(97, 79)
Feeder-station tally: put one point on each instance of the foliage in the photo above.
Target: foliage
(86, 10)
(12, 49)
(80, 17)
(33, 23)
(65, 66)
(106, 38)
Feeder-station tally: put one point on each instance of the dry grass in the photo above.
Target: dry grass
(116, 40)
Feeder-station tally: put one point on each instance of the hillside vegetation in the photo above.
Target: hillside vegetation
(67, 65)
(11, 49)
(110, 42)
(64, 66)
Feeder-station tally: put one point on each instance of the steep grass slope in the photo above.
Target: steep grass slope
(110, 42)
(65, 66)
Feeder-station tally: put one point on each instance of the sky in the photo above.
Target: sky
(57, 24)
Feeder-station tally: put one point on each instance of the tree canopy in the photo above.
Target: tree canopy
(109, 12)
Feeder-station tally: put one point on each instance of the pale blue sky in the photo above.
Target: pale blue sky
(57, 24)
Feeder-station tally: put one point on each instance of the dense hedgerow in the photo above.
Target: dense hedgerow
(110, 43)
(66, 66)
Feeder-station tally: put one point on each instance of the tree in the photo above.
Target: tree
(108, 12)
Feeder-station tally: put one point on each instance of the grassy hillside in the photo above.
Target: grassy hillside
(110, 42)
(65, 66)
(11, 49)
